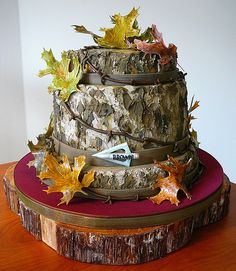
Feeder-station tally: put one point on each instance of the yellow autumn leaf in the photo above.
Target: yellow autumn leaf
(124, 28)
(66, 178)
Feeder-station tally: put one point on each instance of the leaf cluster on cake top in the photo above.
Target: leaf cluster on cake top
(126, 34)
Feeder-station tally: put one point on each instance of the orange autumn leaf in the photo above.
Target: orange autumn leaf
(66, 178)
(157, 47)
(170, 185)
(194, 106)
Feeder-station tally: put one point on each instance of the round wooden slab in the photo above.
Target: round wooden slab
(110, 239)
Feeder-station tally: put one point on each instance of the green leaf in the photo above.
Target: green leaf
(64, 78)
(194, 137)
(145, 36)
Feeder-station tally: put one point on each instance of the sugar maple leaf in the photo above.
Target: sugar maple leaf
(170, 185)
(125, 27)
(157, 47)
(63, 79)
(66, 179)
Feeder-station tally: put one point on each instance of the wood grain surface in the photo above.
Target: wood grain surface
(211, 248)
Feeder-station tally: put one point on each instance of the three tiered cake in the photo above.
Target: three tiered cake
(120, 133)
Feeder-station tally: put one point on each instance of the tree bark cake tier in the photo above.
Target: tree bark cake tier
(116, 61)
(154, 111)
(152, 119)
(121, 122)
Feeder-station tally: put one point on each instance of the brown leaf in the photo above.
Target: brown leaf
(43, 139)
(170, 185)
(194, 105)
(157, 47)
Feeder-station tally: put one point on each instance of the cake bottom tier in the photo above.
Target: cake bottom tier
(134, 182)
(92, 237)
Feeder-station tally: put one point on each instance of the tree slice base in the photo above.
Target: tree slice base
(10, 190)
(114, 246)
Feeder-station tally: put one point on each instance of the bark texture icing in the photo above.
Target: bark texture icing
(115, 61)
(156, 111)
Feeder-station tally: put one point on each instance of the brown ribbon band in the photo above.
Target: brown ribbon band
(119, 222)
(146, 156)
(131, 79)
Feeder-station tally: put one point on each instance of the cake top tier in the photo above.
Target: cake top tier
(124, 56)
(126, 34)
(122, 67)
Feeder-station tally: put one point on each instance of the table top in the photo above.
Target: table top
(211, 248)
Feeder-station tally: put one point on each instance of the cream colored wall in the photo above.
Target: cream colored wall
(203, 30)
(13, 137)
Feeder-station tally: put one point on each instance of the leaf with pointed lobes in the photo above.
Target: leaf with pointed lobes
(83, 30)
(145, 36)
(193, 105)
(64, 79)
(43, 139)
(170, 185)
(157, 47)
(66, 178)
(125, 27)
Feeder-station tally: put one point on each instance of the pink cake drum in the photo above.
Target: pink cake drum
(96, 213)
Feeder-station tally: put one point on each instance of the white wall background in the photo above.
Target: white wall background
(12, 111)
(203, 30)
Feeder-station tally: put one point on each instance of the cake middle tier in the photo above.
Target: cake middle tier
(143, 116)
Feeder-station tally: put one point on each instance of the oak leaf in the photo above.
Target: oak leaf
(66, 178)
(145, 36)
(43, 139)
(82, 29)
(157, 47)
(125, 27)
(63, 79)
(190, 117)
(170, 185)
(122, 35)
